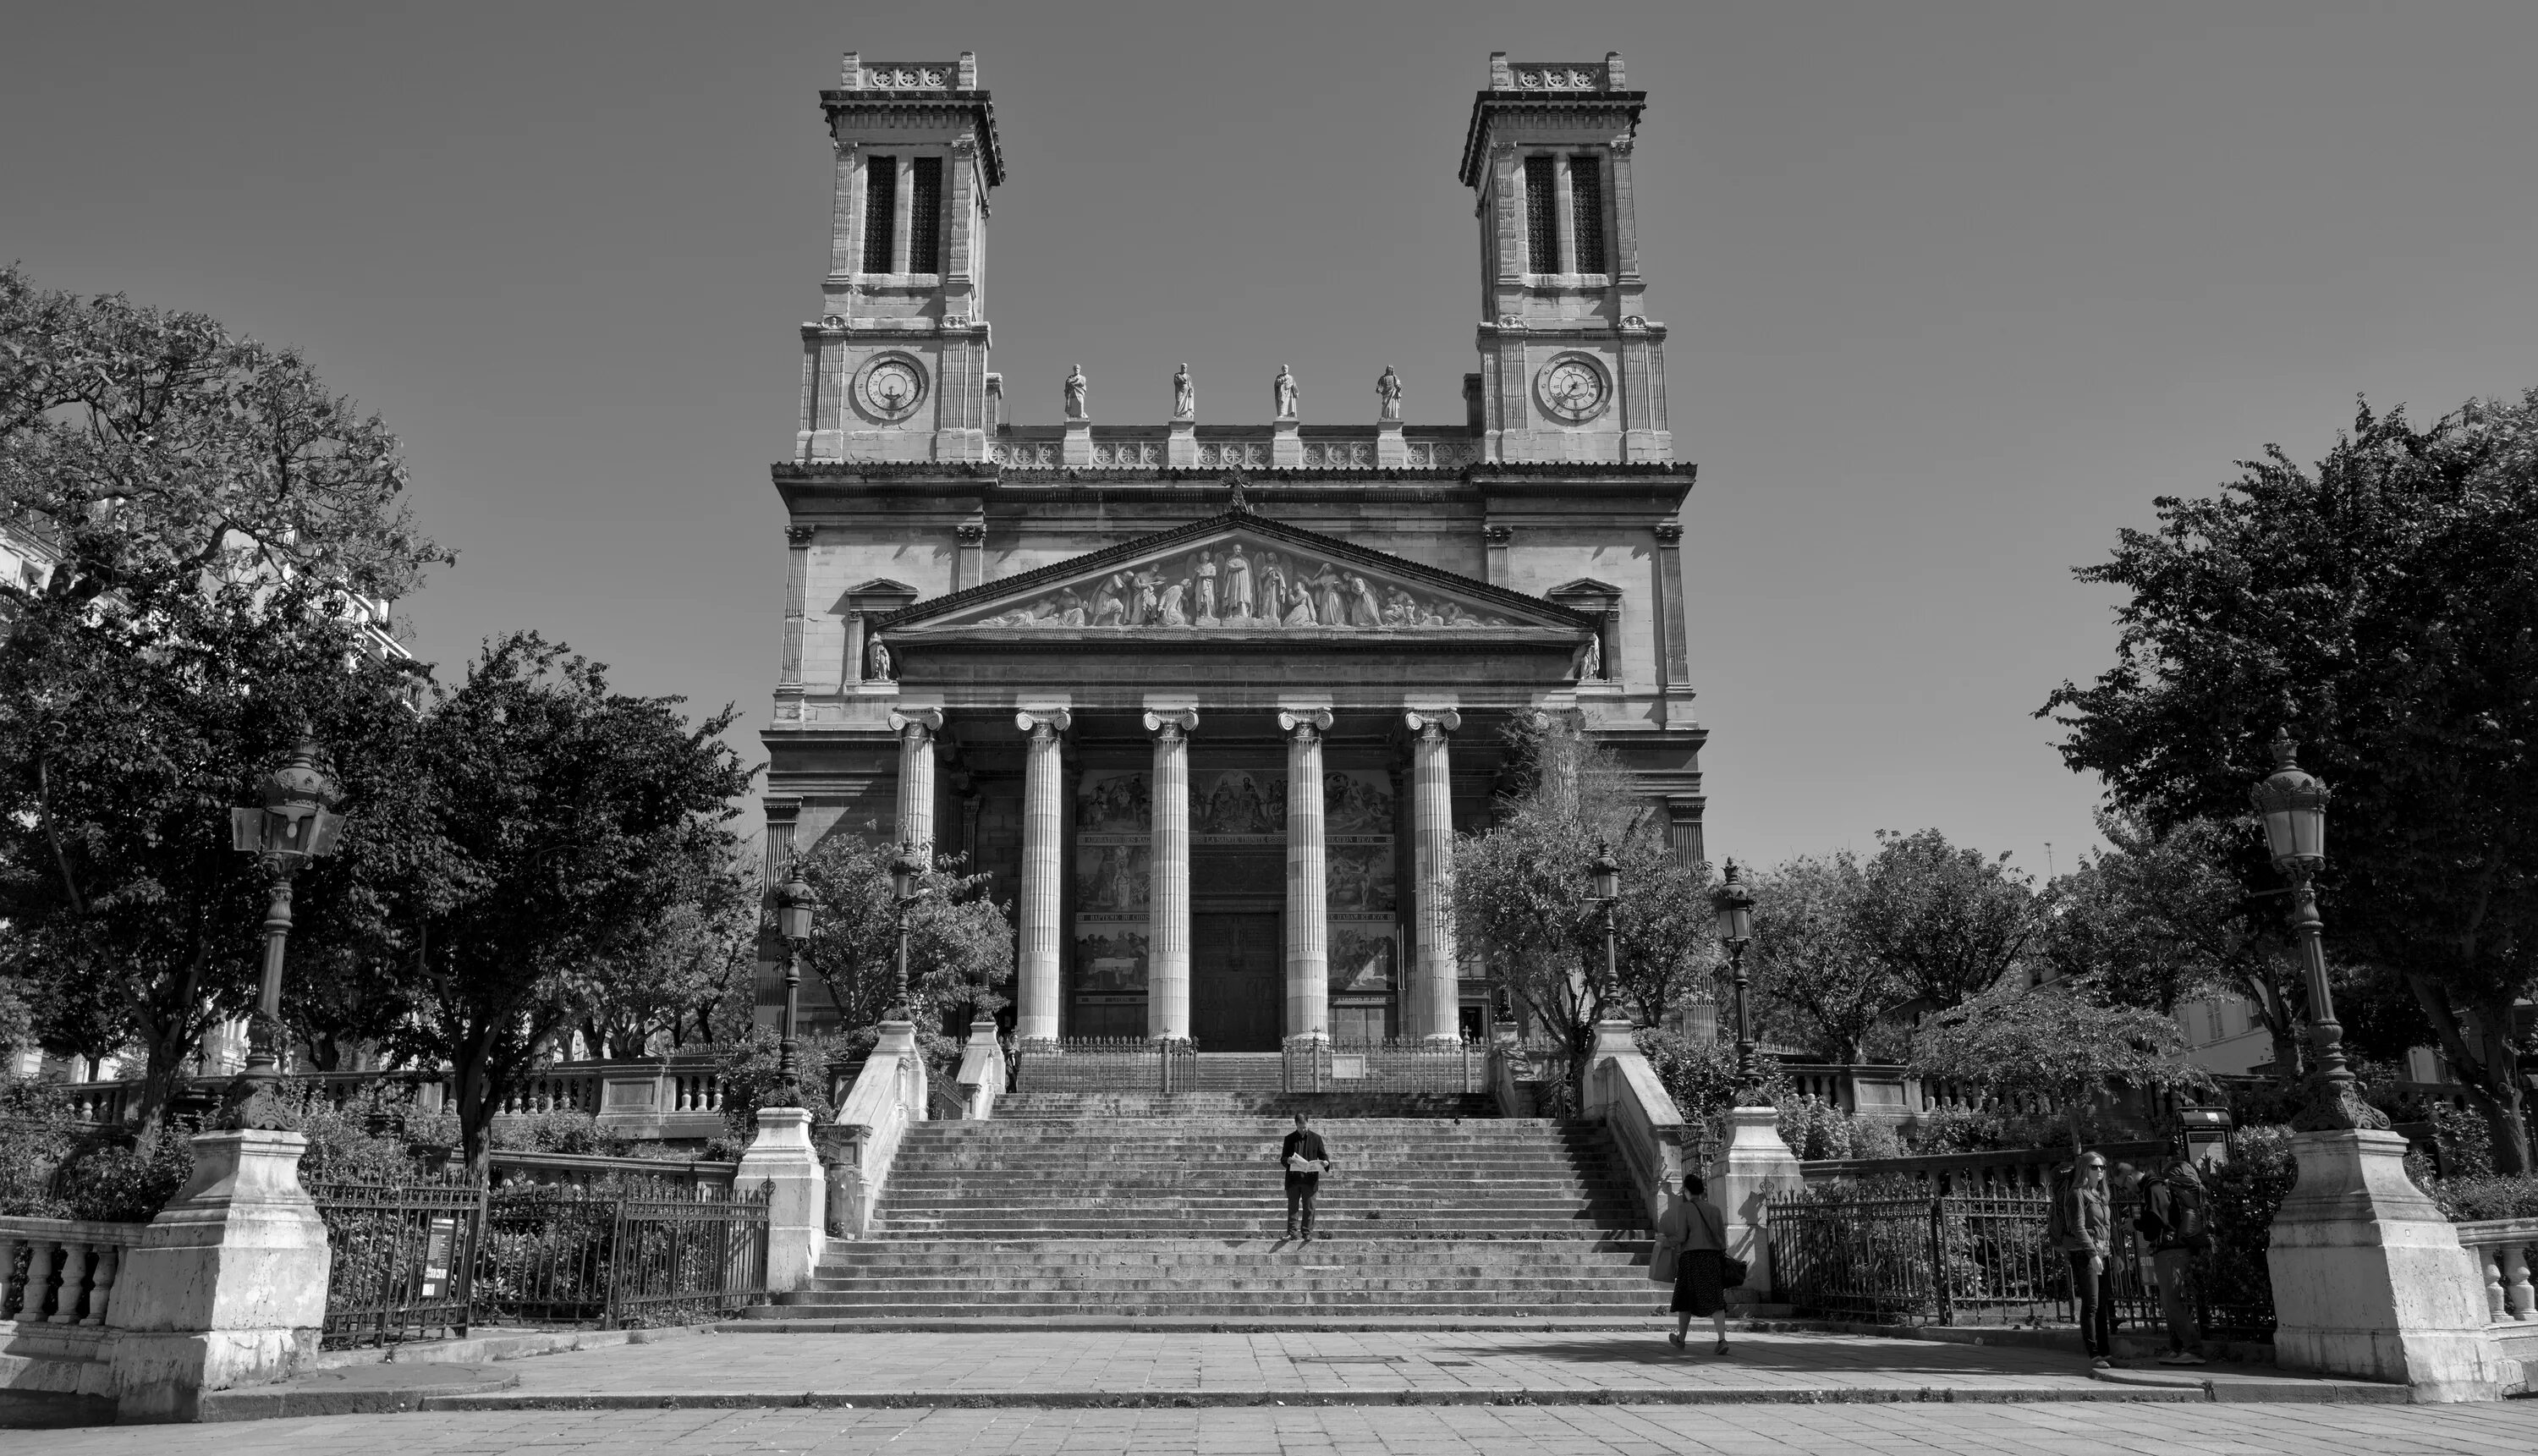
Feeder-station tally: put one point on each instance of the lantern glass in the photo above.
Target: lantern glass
(902, 872)
(1607, 875)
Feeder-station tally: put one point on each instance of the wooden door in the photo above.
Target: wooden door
(1235, 981)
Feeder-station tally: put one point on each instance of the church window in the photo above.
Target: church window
(1587, 195)
(925, 216)
(881, 212)
(1542, 214)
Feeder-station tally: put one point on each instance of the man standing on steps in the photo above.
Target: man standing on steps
(1306, 1159)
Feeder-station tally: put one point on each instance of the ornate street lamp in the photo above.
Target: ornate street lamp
(796, 905)
(1606, 872)
(295, 824)
(1733, 906)
(2293, 805)
(905, 871)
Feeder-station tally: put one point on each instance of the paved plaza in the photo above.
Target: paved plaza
(1346, 1431)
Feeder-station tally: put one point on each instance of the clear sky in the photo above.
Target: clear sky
(1955, 291)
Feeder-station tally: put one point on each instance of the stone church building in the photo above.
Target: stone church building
(1210, 699)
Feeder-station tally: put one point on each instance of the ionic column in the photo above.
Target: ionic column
(1168, 926)
(1308, 921)
(1431, 1007)
(916, 728)
(1043, 794)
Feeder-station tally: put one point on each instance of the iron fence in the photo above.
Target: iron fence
(1313, 1065)
(1128, 1064)
(419, 1258)
(1982, 1259)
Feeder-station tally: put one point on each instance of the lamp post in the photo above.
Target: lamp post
(1733, 906)
(2293, 805)
(796, 906)
(1606, 872)
(903, 872)
(295, 822)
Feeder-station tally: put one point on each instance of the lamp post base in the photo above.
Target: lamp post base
(253, 1102)
(2335, 1104)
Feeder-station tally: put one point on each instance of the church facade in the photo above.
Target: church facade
(1211, 700)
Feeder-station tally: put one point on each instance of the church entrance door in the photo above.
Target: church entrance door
(1236, 978)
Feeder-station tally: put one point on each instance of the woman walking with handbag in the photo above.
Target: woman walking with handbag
(1692, 1238)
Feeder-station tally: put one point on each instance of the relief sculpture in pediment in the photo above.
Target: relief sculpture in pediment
(1235, 588)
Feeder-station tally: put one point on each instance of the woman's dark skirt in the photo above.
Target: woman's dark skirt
(1696, 1282)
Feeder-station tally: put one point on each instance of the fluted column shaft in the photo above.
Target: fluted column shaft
(1308, 920)
(1435, 990)
(1036, 1012)
(916, 777)
(1168, 929)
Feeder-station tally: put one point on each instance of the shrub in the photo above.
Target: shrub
(2489, 1196)
(118, 1183)
(37, 1132)
(1947, 1130)
(749, 1070)
(1700, 1074)
(559, 1130)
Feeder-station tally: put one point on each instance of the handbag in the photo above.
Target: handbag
(1663, 1258)
(1732, 1271)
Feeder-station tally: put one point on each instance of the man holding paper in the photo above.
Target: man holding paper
(1306, 1159)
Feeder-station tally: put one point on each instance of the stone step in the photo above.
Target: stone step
(1343, 1305)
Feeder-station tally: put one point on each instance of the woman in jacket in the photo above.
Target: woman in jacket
(2082, 1227)
(1694, 1228)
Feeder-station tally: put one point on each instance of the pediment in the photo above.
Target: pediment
(1237, 574)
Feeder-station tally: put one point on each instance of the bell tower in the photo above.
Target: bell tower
(1570, 367)
(896, 365)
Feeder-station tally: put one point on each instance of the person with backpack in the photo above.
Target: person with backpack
(2177, 1220)
(2081, 1224)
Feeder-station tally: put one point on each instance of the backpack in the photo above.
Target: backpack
(2186, 1222)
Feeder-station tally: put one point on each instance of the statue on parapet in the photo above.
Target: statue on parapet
(1288, 395)
(1184, 395)
(1240, 500)
(1387, 388)
(1076, 387)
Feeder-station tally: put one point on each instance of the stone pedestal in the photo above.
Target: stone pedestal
(1076, 450)
(1181, 445)
(797, 1200)
(227, 1287)
(1286, 444)
(1391, 451)
(1754, 1166)
(2369, 1281)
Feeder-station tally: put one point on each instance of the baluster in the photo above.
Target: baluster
(39, 1281)
(2518, 1297)
(10, 1244)
(74, 1282)
(2489, 1263)
(100, 1287)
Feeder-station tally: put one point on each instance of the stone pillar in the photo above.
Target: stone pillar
(797, 1205)
(1168, 929)
(1308, 919)
(970, 559)
(1674, 660)
(2369, 1281)
(227, 1287)
(1391, 448)
(797, 577)
(1286, 444)
(1496, 541)
(1754, 1166)
(1429, 1010)
(1043, 813)
(916, 728)
(1075, 449)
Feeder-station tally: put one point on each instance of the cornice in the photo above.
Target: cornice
(1626, 104)
(835, 103)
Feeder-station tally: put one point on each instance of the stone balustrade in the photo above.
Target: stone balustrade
(70, 1268)
(2501, 1251)
(1345, 447)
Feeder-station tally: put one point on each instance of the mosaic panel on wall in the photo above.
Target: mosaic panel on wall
(1113, 886)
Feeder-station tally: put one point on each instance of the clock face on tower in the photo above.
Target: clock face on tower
(1572, 387)
(892, 388)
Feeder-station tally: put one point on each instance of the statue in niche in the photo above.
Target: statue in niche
(1238, 588)
(1591, 661)
(1207, 589)
(1288, 395)
(1387, 388)
(1184, 396)
(877, 662)
(1076, 386)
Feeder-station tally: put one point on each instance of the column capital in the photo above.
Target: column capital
(1314, 720)
(925, 720)
(1052, 721)
(1442, 720)
(1176, 722)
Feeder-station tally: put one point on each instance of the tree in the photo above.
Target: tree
(1814, 976)
(961, 940)
(685, 960)
(1519, 889)
(2042, 1041)
(2383, 603)
(153, 449)
(539, 815)
(125, 737)
(1948, 922)
(2158, 917)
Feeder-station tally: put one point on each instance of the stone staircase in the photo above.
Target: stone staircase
(1086, 1204)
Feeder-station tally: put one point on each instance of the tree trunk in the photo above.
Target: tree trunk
(2488, 1068)
(475, 1105)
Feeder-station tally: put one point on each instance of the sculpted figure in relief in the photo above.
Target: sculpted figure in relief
(1284, 387)
(1207, 589)
(1387, 389)
(1184, 397)
(1076, 386)
(1238, 588)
